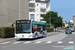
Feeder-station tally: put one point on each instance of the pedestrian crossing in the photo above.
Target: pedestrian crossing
(16, 42)
(59, 42)
(49, 42)
(35, 42)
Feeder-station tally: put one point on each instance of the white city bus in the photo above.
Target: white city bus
(30, 29)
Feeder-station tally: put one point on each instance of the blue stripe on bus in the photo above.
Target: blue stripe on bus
(34, 36)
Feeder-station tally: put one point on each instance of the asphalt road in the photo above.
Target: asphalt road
(53, 41)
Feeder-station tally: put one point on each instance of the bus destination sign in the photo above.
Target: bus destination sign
(22, 21)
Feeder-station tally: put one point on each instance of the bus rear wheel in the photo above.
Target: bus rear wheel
(43, 35)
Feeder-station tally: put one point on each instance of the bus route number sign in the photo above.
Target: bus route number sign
(23, 21)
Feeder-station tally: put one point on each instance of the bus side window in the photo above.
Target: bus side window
(44, 28)
(38, 28)
(34, 28)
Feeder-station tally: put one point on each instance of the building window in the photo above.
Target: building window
(37, 4)
(37, 10)
(31, 16)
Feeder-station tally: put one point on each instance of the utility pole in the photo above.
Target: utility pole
(50, 19)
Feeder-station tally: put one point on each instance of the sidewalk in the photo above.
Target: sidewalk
(7, 39)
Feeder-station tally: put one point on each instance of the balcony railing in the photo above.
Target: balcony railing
(31, 1)
(31, 11)
(32, 6)
(43, 7)
(43, 12)
(41, 17)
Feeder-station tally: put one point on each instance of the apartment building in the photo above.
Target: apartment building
(74, 19)
(37, 8)
(9, 11)
(66, 24)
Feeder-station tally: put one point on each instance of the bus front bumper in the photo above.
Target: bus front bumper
(23, 36)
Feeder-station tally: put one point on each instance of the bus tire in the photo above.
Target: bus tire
(44, 35)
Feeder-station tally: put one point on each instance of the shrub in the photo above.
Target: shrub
(6, 32)
(64, 28)
(50, 29)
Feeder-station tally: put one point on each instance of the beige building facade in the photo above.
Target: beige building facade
(9, 11)
(74, 19)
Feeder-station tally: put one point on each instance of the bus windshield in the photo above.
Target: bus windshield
(23, 28)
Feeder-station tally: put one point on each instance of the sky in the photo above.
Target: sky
(65, 8)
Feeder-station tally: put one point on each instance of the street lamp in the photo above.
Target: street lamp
(19, 9)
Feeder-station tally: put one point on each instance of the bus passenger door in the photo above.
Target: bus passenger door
(40, 30)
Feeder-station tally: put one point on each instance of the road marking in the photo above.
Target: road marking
(49, 42)
(38, 42)
(64, 36)
(27, 42)
(59, 42)
(15, 42)
(5, 43)
(71, 42)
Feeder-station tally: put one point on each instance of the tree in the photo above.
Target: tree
(63, 24)
(55, 19)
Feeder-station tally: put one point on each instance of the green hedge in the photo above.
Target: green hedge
(6, 32)
(50, 29)
(64, 28)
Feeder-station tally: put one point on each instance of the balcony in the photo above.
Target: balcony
(31, 2)
(43, 7)
(42, 1)
(31, 10)
(41, 18)
(31, 6)
(43, 12)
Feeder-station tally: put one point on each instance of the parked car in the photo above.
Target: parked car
(68, 31)
(72, 28)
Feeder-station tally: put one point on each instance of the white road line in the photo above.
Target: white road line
(38, 42)
(5, 43)
(71, 42)
(27, 42)
(49, 42)
(59, 42)
(16, 42)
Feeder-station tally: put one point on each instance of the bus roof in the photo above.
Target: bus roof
(41, 23)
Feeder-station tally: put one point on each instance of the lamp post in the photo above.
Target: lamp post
(19, 9)
(50, 13)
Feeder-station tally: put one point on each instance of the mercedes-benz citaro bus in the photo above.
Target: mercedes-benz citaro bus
(30, 29)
